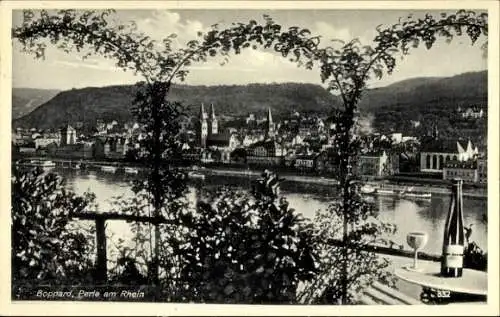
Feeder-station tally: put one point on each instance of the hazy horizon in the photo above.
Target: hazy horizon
(69, 71)
(252, 83)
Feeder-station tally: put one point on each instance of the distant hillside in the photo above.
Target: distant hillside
(25, 100)
(114, 102)
(430, 101)
(420, 93)
(426, 100)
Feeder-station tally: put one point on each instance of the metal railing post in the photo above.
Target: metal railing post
(101, 263)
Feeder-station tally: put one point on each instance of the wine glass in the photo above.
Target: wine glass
(416, 240)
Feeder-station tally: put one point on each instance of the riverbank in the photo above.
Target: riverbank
(435, 189)
(472, 193)
(254, 174)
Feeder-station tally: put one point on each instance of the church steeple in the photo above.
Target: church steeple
(203, 114)
(435, 133)
(212, 111)
(203, 127)
(213, 126)
(270, 124)
(269, 117)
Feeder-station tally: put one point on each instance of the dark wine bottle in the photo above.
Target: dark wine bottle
(454, 236)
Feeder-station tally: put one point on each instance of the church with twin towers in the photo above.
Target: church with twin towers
(208, 129)
(208, 125)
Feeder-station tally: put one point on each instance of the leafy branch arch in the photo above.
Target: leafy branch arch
(345, 69)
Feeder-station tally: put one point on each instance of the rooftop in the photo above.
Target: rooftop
(373, 154)
(439, 145)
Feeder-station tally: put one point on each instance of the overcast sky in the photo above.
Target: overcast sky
(63, 71)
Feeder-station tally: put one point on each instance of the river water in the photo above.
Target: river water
(408, 215)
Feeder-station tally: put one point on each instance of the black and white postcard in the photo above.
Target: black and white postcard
(262, 158)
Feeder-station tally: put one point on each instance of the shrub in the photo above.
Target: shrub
(247, 248)
(46, 248)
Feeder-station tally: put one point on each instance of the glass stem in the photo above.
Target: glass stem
(415, 259)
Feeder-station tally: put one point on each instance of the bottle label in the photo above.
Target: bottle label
(454, 255)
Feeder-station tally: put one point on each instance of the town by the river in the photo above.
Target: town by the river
(408, 214)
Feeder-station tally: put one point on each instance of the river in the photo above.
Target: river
(408, 215)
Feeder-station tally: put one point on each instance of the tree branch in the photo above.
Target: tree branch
(413, 32)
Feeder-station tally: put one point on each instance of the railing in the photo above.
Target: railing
(100, 232)
(101, 218)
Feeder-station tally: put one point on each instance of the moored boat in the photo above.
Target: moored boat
(368, 189)
(420, 195)
(388, 192)
(110, 169)
(131, 170)
(38, 163)
(195, 175)
(368, 198)
(410, 193)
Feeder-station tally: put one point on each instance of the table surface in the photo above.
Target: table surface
(471, 281)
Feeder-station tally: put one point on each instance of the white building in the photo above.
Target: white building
(472, 112)
(397, 137)
(436, 153)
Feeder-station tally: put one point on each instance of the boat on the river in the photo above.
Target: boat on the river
(419, 195)
(368, 198)
(195, 175)
(37, 163)
(368, 189)
(411, 193)
(387, 192)
(109, 169)
(131, 170)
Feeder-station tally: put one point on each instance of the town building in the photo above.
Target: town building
(223, 141)
(115, 147)
(305, 162)
(224, 156)
(435, 153)
(250, 139)
(293, 141)
(46, 139)
(327, 161)
(208, 132)
(98, 148)
(482, 168)
(20, 137)
(68, 135)
(100, 127)
(474, 112)
(207, 156)
(289, 160)
(466, 170)
(192, 155)
(73, 151)
(397, 138)
(373, 164)
(250, 118)
(268, 152)
(27, 148)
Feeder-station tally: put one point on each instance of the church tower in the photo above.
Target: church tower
(269, 124)
(68, 135)
(203, 127)
(435, 133)
(213, 125)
